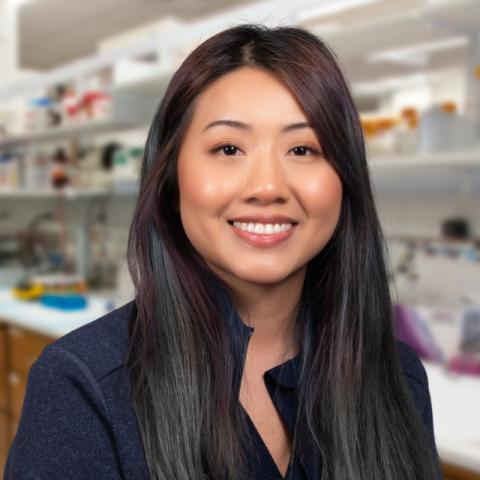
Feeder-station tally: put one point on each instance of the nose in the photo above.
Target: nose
(266, 180)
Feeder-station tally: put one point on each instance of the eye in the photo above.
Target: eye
(228, 149)
(301, 150)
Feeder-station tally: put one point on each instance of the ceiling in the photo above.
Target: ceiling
(53, 32)
(391, 26)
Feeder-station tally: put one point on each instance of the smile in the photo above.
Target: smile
(263, 235)
(263, 228)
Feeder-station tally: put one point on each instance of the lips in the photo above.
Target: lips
(262, 240)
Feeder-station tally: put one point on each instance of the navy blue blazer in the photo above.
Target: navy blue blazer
(78, 421)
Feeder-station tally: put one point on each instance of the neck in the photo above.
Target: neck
(271, 310)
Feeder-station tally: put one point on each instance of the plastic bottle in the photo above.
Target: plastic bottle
(437, 128)
(406, 131)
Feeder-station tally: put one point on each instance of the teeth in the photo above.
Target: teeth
(261, 228)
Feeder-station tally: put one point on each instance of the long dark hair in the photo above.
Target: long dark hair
(355, 415)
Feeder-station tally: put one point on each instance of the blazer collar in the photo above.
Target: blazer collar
(285, 374)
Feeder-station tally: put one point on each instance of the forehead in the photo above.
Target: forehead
(249, 94)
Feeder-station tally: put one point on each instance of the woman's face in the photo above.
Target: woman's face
(249, 153)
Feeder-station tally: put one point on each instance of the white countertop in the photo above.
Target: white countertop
(49, 321)
(456, 416)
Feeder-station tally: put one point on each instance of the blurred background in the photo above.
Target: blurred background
(79, 82)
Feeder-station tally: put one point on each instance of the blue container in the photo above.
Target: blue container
(65, 301)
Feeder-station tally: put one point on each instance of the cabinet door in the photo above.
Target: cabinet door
(12, 430)
(4, 440)
(3, 461)
(16, 385)
(3, 367)
(3, 391)
(452, 472)
(4, 428)
(24, 349)
(3, 347)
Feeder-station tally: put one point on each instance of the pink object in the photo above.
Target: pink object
(465, 363)
(412, 329)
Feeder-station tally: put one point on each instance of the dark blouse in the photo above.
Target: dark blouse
(78, 421)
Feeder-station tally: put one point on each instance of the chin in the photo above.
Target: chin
(261, 277)
(261, 274)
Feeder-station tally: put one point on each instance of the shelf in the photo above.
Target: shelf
(451, 174)
(62, 133)
(455, 159)
(50, 193)
(153, 84)
(422, 239)
(67, 193)
(454, 173)
(130, 109)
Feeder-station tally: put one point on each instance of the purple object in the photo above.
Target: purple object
(469, 364)
(412, 329)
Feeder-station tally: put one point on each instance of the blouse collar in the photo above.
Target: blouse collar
(285, 374)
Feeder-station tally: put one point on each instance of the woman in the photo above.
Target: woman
(260, 343)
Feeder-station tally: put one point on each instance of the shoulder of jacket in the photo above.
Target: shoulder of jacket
(101, 345)
(415, 374)
(411, 362)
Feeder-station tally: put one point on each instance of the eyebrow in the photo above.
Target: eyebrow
(237, 124)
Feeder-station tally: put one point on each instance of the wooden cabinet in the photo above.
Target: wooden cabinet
(3, 347)
(452, 472)
(4, 417)
(19, 348)
(4, 439)
(24, 349)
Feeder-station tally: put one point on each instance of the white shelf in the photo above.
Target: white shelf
(62, 133)
(66, 193)
(51, 193)
(454, 173)
(130, 109)
(455, 160)
(446, 174)
(153, 84)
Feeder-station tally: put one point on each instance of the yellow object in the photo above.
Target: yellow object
(29, 292)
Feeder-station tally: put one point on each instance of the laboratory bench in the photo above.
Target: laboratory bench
(26, 328)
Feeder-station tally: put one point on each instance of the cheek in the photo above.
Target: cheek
(322, 196)
(204, 190)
